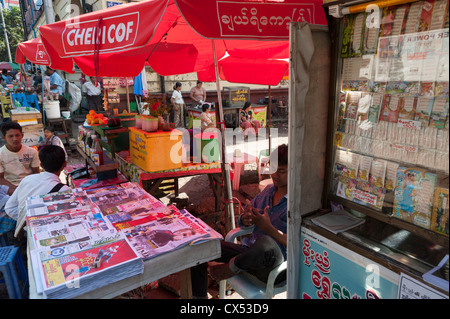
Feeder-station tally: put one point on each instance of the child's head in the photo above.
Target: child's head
(12, 134)
(48, 132)
(53, 158)
(205, 107)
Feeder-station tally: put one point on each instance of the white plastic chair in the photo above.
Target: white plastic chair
(247, 285)
(263, 160)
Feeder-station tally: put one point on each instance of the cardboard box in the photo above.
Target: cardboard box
(32, 134)
(155, 151)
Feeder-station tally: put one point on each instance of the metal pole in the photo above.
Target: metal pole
(6, 35)
(225, 166)
(48, 10)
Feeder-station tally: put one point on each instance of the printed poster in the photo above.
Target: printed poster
(330, 271)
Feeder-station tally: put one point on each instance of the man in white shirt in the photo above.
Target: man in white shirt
(93, 91)
(53, 161)
(16, 162)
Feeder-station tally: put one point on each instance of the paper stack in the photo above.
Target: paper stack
(338, 221)
(76, 251)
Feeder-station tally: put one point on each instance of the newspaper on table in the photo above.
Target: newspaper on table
(57, 202)
(176, 229)
(124, 203)
(91, 238)
(78, 249)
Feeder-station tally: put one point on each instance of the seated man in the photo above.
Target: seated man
(16, 162)
(53, 161)
(266, 249)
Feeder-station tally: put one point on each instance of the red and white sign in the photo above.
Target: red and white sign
(116, 29)
(114, 33)
(409, 124)
(261, 20)
(364, 197)
(249, 19)
(41, 55)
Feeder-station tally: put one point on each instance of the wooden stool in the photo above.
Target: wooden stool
(64, 125)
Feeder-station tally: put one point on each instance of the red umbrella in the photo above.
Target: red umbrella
(174, 37)
(167, 34)
(34, 51)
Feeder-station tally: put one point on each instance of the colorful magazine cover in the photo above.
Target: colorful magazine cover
(165, 234)
(407, 109)
(423, 110)
(439, 219)
(351, 107)
(414, 196)
(389, 108)
(360, 192)
(439, 112)
(60, 271)
(375, 107)
(349, 24)
(74, 230)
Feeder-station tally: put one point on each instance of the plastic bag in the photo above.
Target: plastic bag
(75, 93)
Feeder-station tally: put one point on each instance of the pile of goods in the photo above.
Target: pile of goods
(93, 118)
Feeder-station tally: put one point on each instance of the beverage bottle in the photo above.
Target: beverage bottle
(98, 153)
(87, 142)
(92, 146)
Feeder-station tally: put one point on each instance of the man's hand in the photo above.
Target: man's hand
(247, 216)
(262, 220)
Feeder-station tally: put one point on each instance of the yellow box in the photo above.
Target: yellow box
(155, 151)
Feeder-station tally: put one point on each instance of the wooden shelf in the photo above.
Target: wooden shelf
(108, 165)
(391, 220)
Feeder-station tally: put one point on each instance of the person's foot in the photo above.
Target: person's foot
(220, 272)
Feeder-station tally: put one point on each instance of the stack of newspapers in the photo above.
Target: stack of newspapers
(81, 240)
(73, 248)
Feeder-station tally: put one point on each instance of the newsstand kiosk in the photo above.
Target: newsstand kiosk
(369, 218)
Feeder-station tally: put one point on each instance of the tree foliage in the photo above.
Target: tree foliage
(14, 30)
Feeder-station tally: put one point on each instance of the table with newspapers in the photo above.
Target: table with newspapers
(101, 243)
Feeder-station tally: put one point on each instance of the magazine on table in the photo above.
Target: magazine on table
(47, 199)
(165, 234)
(73, 230)
(85, 270)
(127, 204)
(78, 248)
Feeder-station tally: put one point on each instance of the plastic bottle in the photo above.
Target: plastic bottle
(97, 153)
(87, 141)
(92, 146)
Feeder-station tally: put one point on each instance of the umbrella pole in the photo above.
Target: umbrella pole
(128, 96)
(229, 210)
(270, 118)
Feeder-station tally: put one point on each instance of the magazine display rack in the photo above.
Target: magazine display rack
(389, 145)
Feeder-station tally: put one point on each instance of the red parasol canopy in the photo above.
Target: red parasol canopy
(34, 51)
(168, 35)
